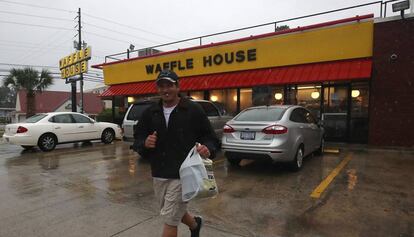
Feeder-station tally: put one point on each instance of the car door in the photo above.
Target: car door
(87, 129)
(64, 127)
(314, 130)
(302, 127)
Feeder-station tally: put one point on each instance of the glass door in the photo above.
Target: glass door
(335, 112)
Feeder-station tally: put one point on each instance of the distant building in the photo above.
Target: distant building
(57, 101)
(98, 91)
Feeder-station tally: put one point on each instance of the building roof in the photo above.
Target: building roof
(49, 101)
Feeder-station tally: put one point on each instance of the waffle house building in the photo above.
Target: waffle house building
(355, 73)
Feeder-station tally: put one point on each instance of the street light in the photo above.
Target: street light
(400, 7)
(131, 48)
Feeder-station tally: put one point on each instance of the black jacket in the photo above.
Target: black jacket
(187, 125)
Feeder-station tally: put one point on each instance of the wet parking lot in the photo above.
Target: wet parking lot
(106, 190)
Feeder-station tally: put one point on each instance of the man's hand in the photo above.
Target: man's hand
(203, 151)
(151, 140)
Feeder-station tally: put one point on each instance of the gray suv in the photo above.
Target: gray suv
(217, 117)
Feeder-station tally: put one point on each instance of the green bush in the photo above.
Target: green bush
(106, 116)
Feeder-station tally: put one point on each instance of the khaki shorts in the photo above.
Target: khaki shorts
(168, 195)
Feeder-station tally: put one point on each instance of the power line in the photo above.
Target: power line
(25, 65)
(131, 27)
(44, 17)
(37, 6)
(31, 47)
(24, 43)
(106, 37)
(43, 26)
(55, 37)
(114, 31)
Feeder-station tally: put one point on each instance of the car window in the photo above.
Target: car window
(35, 118)
(61, 118)
(136, 111)
(261, 114)
(80, 119)
(209, 109)
(309, 117)
(298, 116)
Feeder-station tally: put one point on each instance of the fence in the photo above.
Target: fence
(379, 5)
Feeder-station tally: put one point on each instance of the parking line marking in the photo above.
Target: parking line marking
(331, 150)
(317, 192)
(218, 161)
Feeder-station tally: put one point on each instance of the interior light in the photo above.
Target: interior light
(235, 98)
(355, 93)
(278, 96)
(214, 98)
(130, 99)
(315, 95)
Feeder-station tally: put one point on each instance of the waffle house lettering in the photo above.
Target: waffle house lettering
(177, 65)
(229, 57)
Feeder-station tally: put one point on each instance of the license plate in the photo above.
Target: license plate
(247, 135)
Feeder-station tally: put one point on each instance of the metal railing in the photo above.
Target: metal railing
(126, 55)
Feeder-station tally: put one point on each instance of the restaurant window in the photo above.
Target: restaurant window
(290, 95)
(359, 112)
(277, 95)
(267, 95)
(309, 96)
(197, 95)
(245, 98)
(225, 100)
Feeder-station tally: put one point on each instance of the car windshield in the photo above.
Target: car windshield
(261, 114)
(35, 118)
(137, 110)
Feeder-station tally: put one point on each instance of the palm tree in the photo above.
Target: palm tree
(29, 79)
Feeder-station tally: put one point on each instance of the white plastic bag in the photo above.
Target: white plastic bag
(195, 181)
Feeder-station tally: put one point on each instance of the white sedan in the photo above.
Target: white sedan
(49, 129)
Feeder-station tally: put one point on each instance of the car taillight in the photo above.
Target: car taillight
(275, 129)
(21, 129)
(228, 129)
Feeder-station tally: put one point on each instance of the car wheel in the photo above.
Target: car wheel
(234, 161)
(108, 135)
(297, 163)
(27, 147)
(47, 142)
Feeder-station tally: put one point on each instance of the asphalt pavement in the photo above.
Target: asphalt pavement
(106, 190)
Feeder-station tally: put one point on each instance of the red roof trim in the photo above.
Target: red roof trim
(329, 23)
(354, 69)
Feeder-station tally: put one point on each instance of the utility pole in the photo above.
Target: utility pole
(80, 48)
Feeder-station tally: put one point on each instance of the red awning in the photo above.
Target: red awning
(308, 73)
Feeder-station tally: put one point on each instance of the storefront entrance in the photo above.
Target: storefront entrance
(335, 112)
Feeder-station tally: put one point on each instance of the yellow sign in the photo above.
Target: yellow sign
(76, 63)
(74, 69)
(354, 40)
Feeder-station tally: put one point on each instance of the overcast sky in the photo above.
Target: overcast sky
(41, 32)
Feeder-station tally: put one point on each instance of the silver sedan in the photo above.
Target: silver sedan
(281, 133)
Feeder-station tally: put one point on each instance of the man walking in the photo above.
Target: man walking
(165, 134)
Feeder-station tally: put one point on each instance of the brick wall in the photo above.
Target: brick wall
(392, 86)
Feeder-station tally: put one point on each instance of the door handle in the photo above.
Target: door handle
(80, 127)
(301, 127)
(57, 127)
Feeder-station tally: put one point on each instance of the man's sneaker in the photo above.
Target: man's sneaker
(196, 231)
